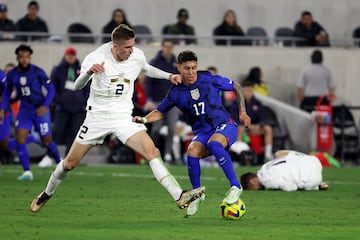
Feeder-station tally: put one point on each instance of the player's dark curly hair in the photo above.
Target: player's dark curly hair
(245, 179)
(186, 56)
(23, 47)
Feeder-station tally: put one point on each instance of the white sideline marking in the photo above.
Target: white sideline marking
(151, 176)
(120, 174)
(117, 174)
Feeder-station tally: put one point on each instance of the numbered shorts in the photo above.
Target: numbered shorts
(229, 130)
(28, 119)
(98, 125)
(5, 126)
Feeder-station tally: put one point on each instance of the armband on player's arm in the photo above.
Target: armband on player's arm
(82, 80)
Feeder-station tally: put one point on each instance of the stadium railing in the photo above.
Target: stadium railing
(202, 40)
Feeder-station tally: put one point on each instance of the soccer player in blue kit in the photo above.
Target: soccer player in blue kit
(198, 97)
(28, 80)
(5, 122)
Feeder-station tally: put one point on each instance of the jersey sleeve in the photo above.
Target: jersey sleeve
(8, 86)
(87, 63)
(46, 82)
(223, 83)
(165, 106)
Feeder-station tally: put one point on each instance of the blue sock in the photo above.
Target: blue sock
(12, 144)
(225, 162)
(194, 171)
(53, 151)
(23, 156)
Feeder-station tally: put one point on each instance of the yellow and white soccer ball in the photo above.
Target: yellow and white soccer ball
(233, 211)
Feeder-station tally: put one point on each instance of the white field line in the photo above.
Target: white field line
(148, 176)
(114, 174)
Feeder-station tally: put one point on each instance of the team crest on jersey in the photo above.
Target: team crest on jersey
(195, 94)
(23, 80)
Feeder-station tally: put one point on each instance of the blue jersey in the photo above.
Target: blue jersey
(200, 102)
(2, 88)
(2, 82)
(29, 88)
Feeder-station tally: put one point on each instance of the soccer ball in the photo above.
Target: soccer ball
(233, 211)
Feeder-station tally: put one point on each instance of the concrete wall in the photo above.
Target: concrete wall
(281, 66)
(339, 18)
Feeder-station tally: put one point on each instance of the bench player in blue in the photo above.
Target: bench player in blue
(28, 80)
(198, 97)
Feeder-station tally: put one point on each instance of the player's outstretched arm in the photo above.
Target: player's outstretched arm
(241, 103)
(160, 74)
(153, 116)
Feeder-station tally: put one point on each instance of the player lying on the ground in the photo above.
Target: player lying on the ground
(198, 98)
(288, 171)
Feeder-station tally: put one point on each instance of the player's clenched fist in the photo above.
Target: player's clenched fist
(96, 68)
(245, 119)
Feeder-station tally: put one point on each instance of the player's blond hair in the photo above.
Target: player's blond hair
(122, 32)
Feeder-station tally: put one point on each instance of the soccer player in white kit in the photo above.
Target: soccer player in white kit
(113, 68)
(288, 171)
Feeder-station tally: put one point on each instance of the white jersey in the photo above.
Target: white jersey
(291, 172)
(112, 90)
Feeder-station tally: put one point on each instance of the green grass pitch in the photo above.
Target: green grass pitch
(126, 202)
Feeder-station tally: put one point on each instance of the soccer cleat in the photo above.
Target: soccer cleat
(39, 202)
(232, 195)
(26, 176)
(46, 161)
(324, 186)
(194, 206)
(188, 196)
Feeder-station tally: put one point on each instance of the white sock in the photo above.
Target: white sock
(268, 151)
(55, 179)
(165, 178)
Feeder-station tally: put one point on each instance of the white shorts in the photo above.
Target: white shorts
(313, 173)
(98, 125)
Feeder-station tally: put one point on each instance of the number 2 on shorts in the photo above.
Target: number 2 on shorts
(83, 131)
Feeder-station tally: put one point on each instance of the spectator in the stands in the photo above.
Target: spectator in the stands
(156, 91)
(31, 22)
(212, 69)
(229, 27)
(255, 76)
(69, 103)
(118, 17)
(186, 32)
(7, 26)
(312, 32)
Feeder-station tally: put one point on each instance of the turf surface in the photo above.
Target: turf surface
(126, 202)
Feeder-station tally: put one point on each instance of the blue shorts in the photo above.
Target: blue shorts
(229, 130)
(28, 119)
(5, 126)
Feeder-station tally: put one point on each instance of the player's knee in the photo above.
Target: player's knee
(46, 141)
(194, 151)
(152, 153)
(267, 129)
(69, 164)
